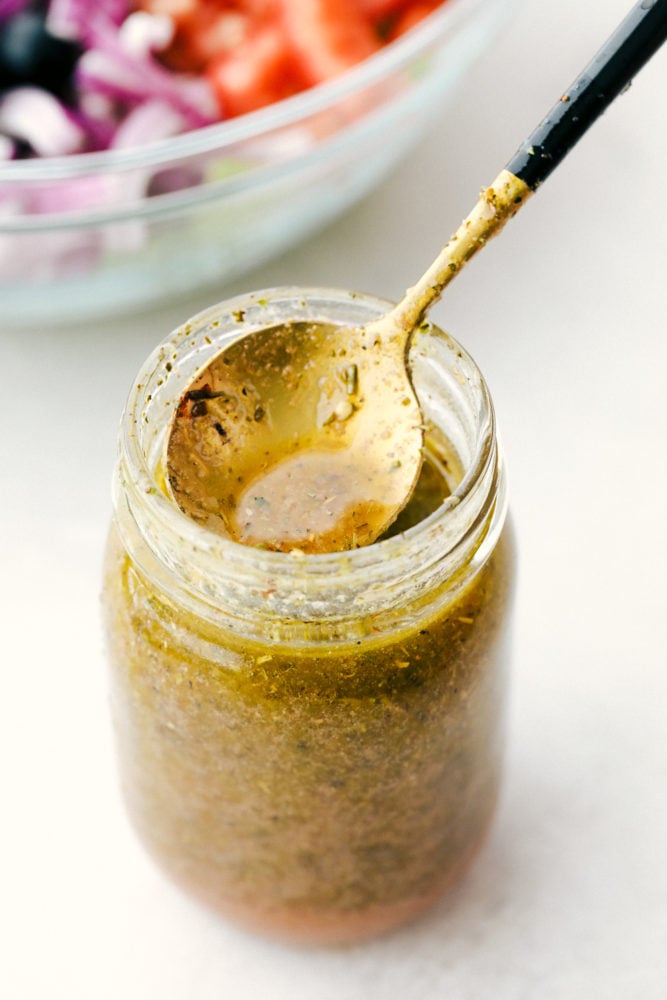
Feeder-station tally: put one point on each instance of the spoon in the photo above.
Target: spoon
(309, 436)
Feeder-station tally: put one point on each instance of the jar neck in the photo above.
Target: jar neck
(296, 596)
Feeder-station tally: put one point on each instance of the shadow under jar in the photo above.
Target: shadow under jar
(311, 744)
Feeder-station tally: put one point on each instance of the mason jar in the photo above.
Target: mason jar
(311, 744)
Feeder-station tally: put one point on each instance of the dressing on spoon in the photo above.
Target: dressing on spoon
(308, 436)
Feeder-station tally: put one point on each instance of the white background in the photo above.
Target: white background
(565, 313)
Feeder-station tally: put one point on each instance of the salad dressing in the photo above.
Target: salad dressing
(310, 743)
(281, 441)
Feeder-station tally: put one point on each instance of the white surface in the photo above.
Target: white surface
(566, 316)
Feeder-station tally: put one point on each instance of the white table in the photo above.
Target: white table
(566, 316)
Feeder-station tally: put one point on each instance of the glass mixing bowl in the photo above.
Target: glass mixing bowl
(111, 231)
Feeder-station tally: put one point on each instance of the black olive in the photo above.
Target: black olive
(30, 54)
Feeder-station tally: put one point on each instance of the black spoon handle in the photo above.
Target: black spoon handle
(633, 43)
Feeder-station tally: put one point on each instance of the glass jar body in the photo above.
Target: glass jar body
(320, 770)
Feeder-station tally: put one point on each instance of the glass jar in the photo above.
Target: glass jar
(311, 744)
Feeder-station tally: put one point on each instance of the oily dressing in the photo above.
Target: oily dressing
(263, 453)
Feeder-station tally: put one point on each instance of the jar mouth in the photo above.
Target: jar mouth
(166, 542)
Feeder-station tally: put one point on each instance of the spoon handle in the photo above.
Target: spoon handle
(633, 43)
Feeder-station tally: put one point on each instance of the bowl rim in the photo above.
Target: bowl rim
(280, 114)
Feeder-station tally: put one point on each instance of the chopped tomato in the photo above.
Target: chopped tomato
(255, 52)
(255, 73)
(377, 9)
(411, 17)
(205, 29)
(326, 37)
(213, 34)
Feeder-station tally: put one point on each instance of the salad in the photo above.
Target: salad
(100, 77)
(87, 75)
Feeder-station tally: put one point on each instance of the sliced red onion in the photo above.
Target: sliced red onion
(83, 19)
(148, 122)
(114, 72)
(54, 199)
(174, 179)
(115, 75)
(7, 148)
(76, 195)
(38, 118)
(10, 7)
(142, 33)
(97, 116)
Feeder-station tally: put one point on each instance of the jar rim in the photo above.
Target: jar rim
(161, 519)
